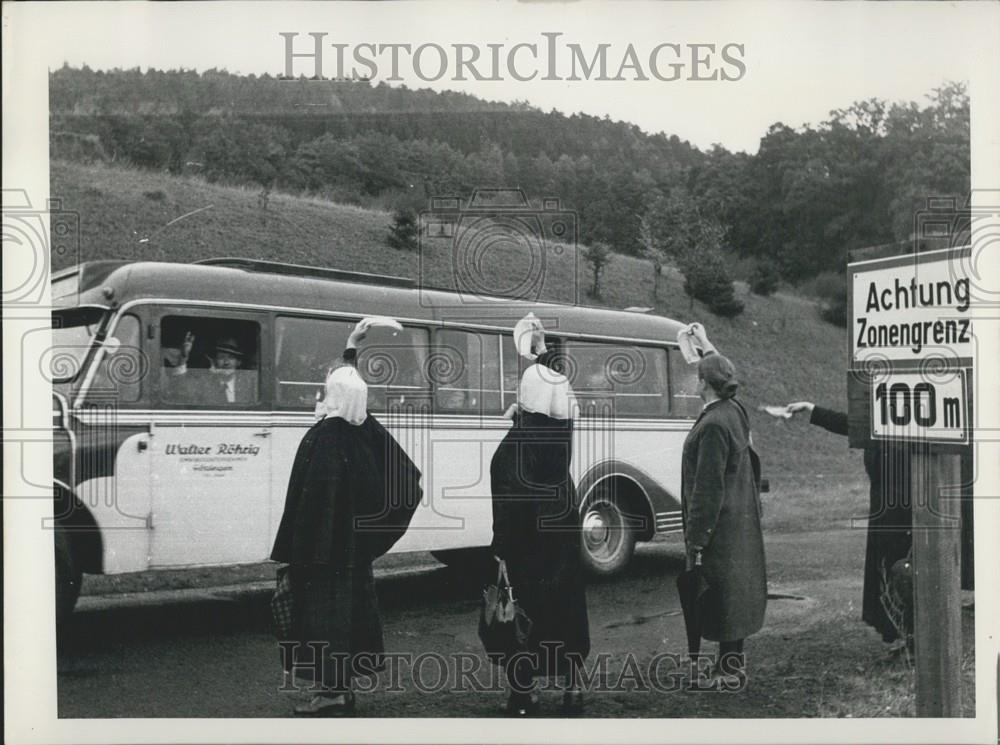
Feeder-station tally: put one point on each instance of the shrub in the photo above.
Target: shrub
(830, 290)
(403, 231)
(764, 278)
(706, 278)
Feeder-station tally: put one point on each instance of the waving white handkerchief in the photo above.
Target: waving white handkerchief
(529, 337)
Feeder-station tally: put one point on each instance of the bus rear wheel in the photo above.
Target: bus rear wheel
(607, 543)
(68, 576)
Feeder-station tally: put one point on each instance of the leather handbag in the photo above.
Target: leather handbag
(503, 624)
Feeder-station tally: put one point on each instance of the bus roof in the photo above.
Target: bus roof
(252, 283)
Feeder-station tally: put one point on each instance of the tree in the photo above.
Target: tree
(652, 249)
(598, 255)
(765, 277)
(706, 274)
(403, 231)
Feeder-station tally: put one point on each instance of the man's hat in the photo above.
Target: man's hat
(229, 345)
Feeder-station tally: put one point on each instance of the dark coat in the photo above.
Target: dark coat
(351, 495)
(722, 512)
(890, 518)
(536, 530)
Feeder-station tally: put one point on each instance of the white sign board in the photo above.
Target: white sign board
(914, 405)
(908, 308)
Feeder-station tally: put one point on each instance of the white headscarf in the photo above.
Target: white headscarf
(545, 391)
(542, 390)
(346, 396)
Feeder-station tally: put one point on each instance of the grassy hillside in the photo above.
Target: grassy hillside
(783, 351)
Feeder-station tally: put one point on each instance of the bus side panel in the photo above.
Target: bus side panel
(654, 452)
(120, 503)
(211, 490)
(457, 509)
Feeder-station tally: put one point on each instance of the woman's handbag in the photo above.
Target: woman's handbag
(896, 594)
(283, 604)
(503, 624)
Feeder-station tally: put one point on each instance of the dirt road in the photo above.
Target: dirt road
(214, 656)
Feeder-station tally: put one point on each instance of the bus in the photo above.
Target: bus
(148, 475)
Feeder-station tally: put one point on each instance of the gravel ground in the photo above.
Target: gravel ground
(213, 656)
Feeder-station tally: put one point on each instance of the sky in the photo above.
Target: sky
(799, 60)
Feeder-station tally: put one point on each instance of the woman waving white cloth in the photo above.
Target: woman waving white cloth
(542, 389)
(536, 533)
(351, 495)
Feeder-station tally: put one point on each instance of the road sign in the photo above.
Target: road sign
(910, 367)
(919, 407)
(905, 309)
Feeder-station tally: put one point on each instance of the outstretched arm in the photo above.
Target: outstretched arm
(828, 419)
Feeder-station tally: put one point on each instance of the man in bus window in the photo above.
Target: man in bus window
(221, 383)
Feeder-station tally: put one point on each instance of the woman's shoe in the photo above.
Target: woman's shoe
(572, 702)
(521, 705)
(341, 705)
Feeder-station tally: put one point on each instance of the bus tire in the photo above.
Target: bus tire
(606, 541)
(68, 575)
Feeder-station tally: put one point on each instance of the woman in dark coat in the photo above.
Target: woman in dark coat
(351, 495)
(722, 513)
(536, 530)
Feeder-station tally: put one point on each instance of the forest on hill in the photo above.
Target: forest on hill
(796, 207)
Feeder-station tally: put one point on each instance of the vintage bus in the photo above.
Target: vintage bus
(150, 476)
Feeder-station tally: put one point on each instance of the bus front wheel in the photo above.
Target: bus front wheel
(607, 542)
(68, 575)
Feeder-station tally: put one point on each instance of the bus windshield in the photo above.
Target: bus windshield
(73, 333)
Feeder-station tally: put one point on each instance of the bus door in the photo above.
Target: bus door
(211, 438)
(111, 465)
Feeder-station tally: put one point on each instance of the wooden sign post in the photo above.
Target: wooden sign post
(937, 585)
(909, 387)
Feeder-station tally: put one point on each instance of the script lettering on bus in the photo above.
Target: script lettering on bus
(225, 448)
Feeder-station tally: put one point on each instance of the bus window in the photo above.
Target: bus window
(466, 372)
(122, 371)
(305, 348)
(395, 367)
(685, 401)
(611, 379)
(221, 365)
(511, 371)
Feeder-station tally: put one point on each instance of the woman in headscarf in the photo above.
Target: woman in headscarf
(720, 491)
(351, 495)
(536, 530)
